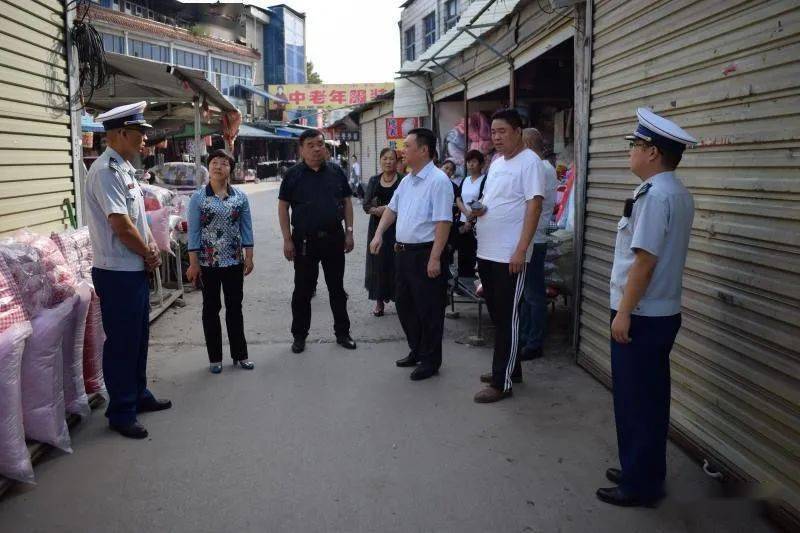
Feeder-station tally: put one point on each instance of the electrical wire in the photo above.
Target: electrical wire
(92, 66)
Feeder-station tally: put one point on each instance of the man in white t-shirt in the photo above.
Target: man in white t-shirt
(512, 206)
(533, 316)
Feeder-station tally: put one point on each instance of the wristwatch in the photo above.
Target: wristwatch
(350, 229)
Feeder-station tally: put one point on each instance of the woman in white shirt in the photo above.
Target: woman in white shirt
(470, 191)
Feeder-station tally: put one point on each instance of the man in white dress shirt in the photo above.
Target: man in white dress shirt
(422, 207)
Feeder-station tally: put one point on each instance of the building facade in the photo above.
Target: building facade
(223, 40)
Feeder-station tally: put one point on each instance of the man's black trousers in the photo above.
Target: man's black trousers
(503, 294)
(420, 303)
(310, 251)
(231, 281)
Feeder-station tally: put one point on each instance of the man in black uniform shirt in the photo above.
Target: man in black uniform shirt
(318, 195)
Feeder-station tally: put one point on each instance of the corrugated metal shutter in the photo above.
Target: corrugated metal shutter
(381, 141)
(35, 160)
(367, 149)
(727, 72)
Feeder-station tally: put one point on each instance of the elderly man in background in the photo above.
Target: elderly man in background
(533, 315)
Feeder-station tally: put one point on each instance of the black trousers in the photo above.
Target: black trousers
(641, 385)
(420, 303)
(231, 281)
(309, 253)
(503, 294)
(467, 246)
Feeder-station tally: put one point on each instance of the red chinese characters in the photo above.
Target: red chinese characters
(374, 93)
(336, 97)
(297, 97)
(358, 96)
(317, 97)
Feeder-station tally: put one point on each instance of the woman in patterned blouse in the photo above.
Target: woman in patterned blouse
(220, 255)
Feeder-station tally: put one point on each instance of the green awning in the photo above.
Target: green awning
(188, 132)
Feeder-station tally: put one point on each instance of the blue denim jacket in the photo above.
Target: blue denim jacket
(219, 229)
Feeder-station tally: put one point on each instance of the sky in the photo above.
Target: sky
(350, 41)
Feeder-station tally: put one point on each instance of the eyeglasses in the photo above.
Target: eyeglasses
(638, 144)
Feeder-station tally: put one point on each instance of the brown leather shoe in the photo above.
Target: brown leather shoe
(487, 378)
(491, 395)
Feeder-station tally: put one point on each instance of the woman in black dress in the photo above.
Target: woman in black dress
(380, 268)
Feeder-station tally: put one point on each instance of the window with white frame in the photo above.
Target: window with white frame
(429, 23)
(450, 14)
(410, 44)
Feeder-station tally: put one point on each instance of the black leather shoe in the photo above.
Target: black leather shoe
(407, 361)
(154, 405)
(529, 354)
(132, 431)
(614, 475)
(299, 345)
(614, 496)
(422, 372)
(346, 342)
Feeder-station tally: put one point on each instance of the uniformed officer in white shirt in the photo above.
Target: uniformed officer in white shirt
(124, 250)
(422, 206)
(649, 257)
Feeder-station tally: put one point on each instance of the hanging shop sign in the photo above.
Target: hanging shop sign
(325, 96)
(398, 128)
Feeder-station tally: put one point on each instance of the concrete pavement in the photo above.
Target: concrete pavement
(337, 440)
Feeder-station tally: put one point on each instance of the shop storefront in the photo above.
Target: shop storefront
(728, 73)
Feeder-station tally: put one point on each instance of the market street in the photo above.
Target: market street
(337, 440)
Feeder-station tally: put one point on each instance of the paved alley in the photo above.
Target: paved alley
(342, 441)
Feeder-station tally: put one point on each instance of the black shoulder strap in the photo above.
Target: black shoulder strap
(483, 184)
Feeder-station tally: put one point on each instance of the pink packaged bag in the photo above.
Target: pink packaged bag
(159, 226)
(25, 264)
(60, 274)
(43, 411)
(76, 401)
(15, 461)
(93, 348)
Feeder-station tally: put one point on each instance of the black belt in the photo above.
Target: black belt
(318, 234)
(403, 247)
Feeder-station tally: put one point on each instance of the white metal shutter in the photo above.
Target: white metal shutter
(727, 71)
(381, 141)
(35, 160)
(367, 149)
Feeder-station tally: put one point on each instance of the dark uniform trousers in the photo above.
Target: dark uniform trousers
(503, 294)
(125, 308)
(231, 281)
(420, 302)
(641, 384)
(310, 251)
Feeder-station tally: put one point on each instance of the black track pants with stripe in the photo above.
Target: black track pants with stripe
(503, 294)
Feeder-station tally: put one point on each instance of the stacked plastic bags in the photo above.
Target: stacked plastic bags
(46, 324)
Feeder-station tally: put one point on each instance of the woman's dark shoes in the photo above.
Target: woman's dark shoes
(423, 372)
(615, 496)
(407, 361)
(299, 345)
(245, 364)
(614, 475)
(215, 368)
(487, 378)
(491, 395)
(378, 311)
(346, 341)
(132, 431)
(153, 405)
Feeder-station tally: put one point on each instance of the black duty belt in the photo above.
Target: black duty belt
(403, 247)
(311, 235)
